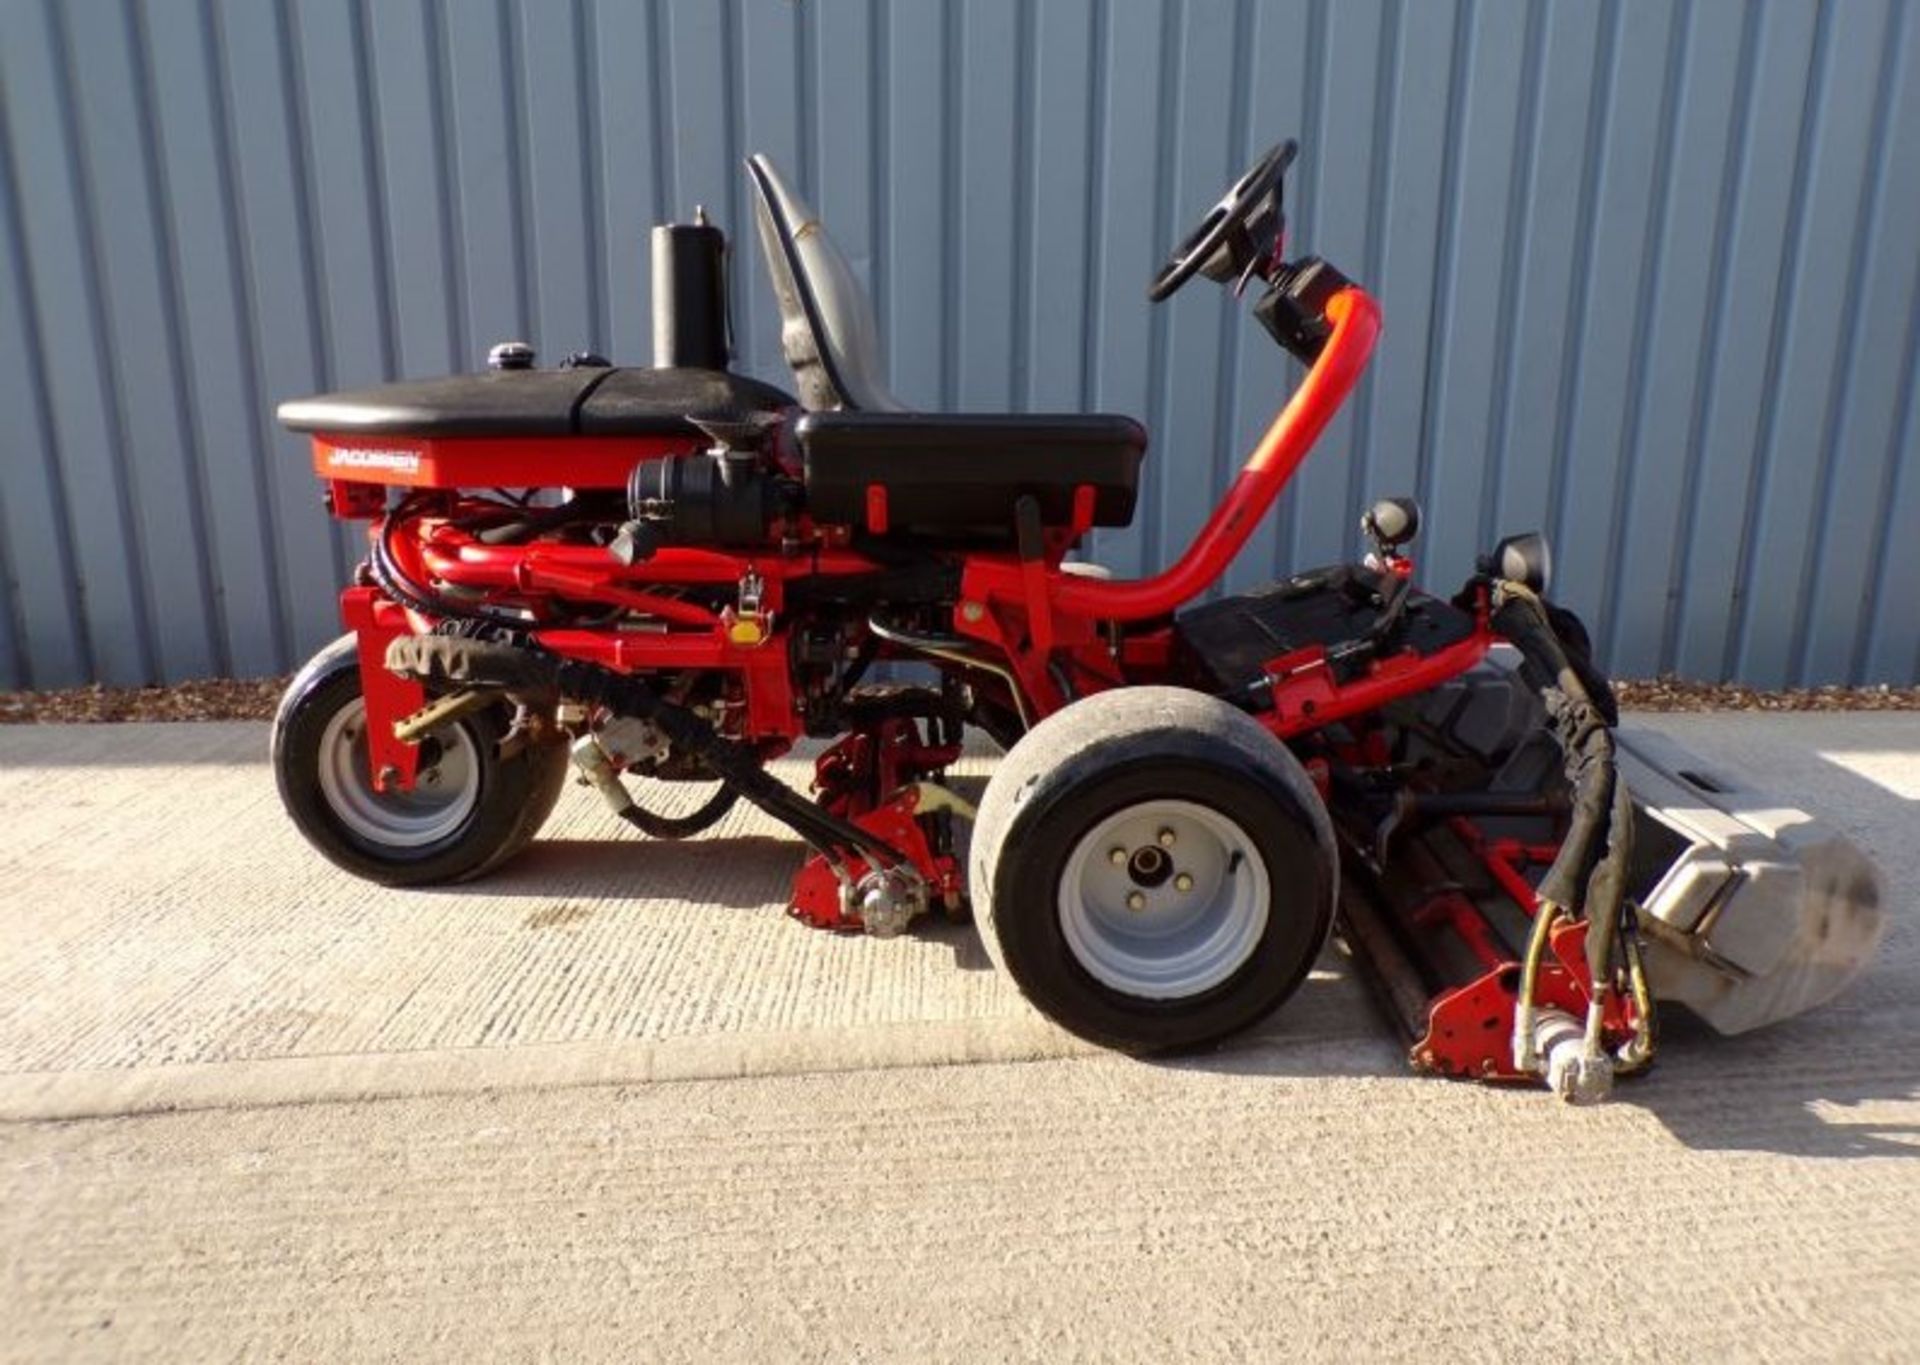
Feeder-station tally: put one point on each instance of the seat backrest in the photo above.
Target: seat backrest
(827, 328)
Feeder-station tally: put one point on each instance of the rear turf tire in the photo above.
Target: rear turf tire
(467, 816)
(1190, 790)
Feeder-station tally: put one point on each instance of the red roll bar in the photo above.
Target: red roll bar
(1356, 326)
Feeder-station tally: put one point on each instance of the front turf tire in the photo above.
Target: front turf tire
(1154, 869)
(476, 812)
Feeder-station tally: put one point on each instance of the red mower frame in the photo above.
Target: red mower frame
(1025, 610)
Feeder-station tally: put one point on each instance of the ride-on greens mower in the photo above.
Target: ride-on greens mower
(672, 574)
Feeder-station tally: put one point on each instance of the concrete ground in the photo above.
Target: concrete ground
(611, 1103)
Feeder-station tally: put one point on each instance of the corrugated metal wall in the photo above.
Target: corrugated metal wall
(1649, 271)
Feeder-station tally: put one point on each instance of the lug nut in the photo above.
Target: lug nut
(1166, 838)
(1136, 900)
(1183, 882)
(1117, 856)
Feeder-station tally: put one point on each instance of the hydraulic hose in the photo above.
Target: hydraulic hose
(597, 766)
(1586, 741)
(732, 762)
(394, 580)
(511, 660)
(1525, 1055)
(708, 814)
(1588, 876)
(1638, 1054)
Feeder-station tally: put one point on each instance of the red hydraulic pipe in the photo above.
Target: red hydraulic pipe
(596, 588)
(1356, 326)
(460, 558)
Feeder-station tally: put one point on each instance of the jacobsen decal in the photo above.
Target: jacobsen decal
(398, 461)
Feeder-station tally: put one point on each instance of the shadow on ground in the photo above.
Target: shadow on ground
(1799, 1089)
(744, 872)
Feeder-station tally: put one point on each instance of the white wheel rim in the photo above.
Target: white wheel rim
(442, 797)
(1170, 919)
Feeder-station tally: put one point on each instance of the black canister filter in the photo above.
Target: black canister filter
(690, 295)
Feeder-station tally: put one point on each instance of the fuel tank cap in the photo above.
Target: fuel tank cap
(510, 355)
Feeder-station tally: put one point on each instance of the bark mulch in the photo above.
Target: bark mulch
(208, 699)
(255, 698)
(1677, 694)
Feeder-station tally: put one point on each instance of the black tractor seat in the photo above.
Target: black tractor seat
(586, 401)
(871, 461)
(960, 475)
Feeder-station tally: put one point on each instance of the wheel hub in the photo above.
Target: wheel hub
(1149, 866)
(1164, 899)
(444, 795)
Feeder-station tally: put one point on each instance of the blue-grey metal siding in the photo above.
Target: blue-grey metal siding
(1650, 271)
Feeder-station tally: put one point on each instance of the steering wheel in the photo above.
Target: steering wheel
(1217, 229)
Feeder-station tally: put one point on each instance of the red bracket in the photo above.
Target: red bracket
(376, 622)
(816, 889)
(350, 501)
(1470, 1029)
